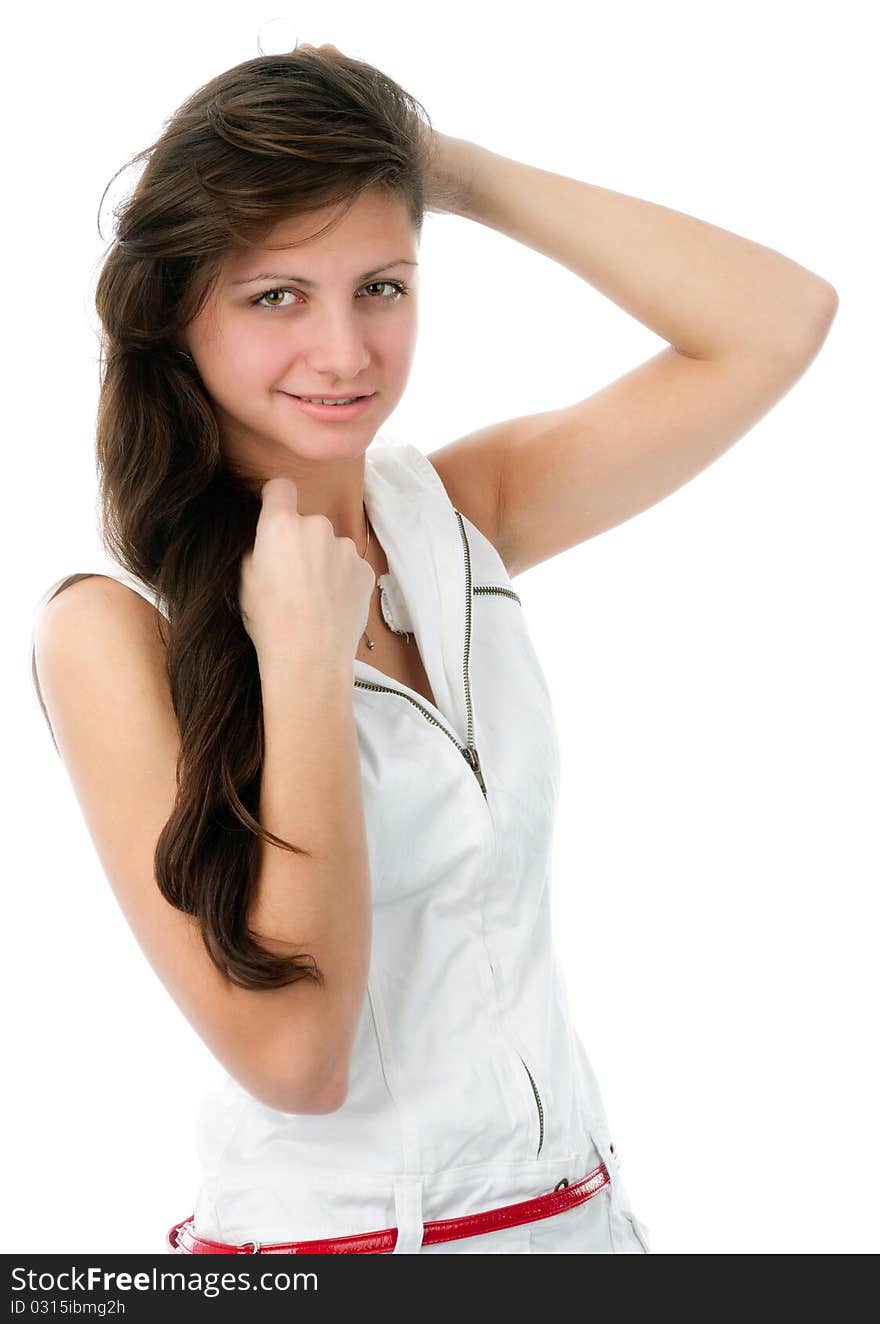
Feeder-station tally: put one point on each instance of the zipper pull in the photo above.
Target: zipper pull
(473, 759)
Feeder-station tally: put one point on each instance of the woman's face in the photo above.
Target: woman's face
(287, 321)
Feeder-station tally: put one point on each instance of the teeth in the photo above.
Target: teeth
(318, 401)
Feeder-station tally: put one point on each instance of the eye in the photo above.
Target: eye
(398, 286)
(259, 299)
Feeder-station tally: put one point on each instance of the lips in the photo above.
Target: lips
(313, 399)
(338, 412)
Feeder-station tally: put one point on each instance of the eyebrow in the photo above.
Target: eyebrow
(304, 280)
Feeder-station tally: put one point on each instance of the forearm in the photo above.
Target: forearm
(705, 290)
(311, 796)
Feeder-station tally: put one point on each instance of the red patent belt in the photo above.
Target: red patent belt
(182, 1239)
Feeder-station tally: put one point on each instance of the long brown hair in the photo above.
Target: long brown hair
(273, 138)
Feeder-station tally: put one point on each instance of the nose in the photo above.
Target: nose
(337, 347)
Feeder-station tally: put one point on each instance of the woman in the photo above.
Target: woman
(315, 747)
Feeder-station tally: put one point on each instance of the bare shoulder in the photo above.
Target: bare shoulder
(95, 594)
(107, 696)
(97, 634)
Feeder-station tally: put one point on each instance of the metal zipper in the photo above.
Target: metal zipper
(509, 593)
(540, 1106)
(471, 752)
(468, 751)
(498, 588)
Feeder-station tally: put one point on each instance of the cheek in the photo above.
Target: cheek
(399, 344)
(248, 367)
(252, 355)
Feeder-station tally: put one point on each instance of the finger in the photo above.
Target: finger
(279, 490)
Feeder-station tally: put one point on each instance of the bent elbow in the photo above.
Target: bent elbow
(330, 1095)
(308, 1075)
(824, 305)
(310, 1097)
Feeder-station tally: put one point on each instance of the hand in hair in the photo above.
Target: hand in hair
(326, 46)
(449, 163)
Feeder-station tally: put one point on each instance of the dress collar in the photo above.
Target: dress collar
(418, 528)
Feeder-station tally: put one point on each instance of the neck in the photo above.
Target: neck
(334, 489)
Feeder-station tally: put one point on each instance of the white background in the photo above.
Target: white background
(713, 662)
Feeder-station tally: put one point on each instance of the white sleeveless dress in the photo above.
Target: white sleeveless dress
(469, 1087)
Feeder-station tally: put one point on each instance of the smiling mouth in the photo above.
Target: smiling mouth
(332, 399)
